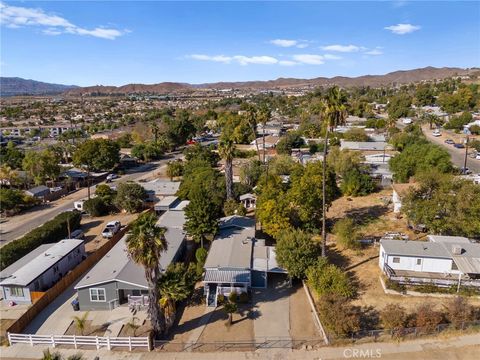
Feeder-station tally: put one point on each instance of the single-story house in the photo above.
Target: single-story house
(39, 191)
(442, 260)
(158, 189)
(40, 269)
(127, 161)
(116, 279)
(363, 145)
(167, 203)
(237, 261)
(270, 142)
(248, 201)
(399, 191)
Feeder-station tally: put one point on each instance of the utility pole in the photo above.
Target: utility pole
(466, 154)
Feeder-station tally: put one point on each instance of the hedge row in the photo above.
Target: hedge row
(50, 232)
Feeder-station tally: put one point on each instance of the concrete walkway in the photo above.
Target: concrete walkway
(466, 348)
(273, 307)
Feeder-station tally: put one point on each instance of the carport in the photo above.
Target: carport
(264, 263)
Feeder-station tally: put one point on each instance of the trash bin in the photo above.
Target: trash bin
(75, 305)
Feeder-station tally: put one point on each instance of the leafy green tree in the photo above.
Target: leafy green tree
(145, 246)
(11, 156)
(355, 182)
(424, 95)
(10, 199)
(418, 158)
(440, 204)
(41, 166)
(283, 165)
(457, 122)
(250, 173)
(296, 252)
(399, 106)
(232, 207)
(130, 197)
(328, 279)
(174, 169)
(199, 152)
(106, 193)
(356, 134)
(201, 215)
(96, 207)
(292, 140)
(226, 149)
(347, 233)
(148, 151)
(97, 155)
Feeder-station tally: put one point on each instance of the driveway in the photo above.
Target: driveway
(273, 307)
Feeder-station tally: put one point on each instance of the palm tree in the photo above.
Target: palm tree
(230, 308)
(81, 322)
(226, 148)
(145, 245)
(335, 114)
(252, 121)
(173, 287)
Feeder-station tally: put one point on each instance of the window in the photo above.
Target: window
(419, 261)
(97, 295)
(396, 260)
(16, 291)
(454, 265)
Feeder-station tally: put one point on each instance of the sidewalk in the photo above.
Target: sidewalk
(465, 347)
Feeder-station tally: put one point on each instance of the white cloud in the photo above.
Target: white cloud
(240, 59)
(309, 59)
(288, 63)
(402, 29)
(331, 57)
(376, 51)
(342, 48)
(301, 44)
(16, 17)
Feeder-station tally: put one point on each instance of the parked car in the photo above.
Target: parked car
(449, 141)
(77, 234)
(459, 146)
(465, 171)
(111, 177)
(477, 157)
(111, 229)
(436, 133)
(407, 121)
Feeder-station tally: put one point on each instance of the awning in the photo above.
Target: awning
(227, 276)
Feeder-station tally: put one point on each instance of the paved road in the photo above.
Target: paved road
(19, 225)
(458, 155)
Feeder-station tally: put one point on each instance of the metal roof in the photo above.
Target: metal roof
(232, 248)
(363, 145)
(24, 260)
(448, 239)
(166, 203)
(160, 187)
(265, 259)
(27, 273)
(415, 248)
(227, 276)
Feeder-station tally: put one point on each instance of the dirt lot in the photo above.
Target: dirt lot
(89, 330)
(92, 227)
(302, 325)
(143, 330)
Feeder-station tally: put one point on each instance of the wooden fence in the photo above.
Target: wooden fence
(76, 341)
(36, 295)
(52, 293)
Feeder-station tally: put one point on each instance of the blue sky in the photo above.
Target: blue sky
(115, 43)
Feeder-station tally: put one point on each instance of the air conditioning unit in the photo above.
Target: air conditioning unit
(457, 250)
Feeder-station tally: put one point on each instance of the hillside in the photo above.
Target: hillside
(397, 77)
(11, 86)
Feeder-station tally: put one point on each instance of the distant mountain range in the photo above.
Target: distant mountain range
(11, 86)
(18, 86)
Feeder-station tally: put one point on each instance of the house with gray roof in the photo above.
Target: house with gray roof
(237, 261)
(40, 269)
(442, 260)
(159, 189)
(116, 279)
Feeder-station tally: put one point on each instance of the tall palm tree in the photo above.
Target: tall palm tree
(145, 245)
(226, 148)
(334, 115)
(173, 288)
(252, 121)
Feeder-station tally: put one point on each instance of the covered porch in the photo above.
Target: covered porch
(224, 282)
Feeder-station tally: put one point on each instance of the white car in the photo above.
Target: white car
(111, 177)
(407, 121)
(477, 157)
(436, 133)
(111, 229)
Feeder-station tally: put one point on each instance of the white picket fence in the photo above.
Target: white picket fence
(76, 341)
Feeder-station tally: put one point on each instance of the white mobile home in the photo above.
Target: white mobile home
(443, 260)
(40, 270)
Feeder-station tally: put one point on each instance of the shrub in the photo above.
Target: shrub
(395, 286)
(475, 129)
(347, 234)
(243, 298)
(52, 231)
(338, 316)
(220, 299)
(130, 196)
(201, 255)
(427, 318)
(329, 279)
(357, 183)
(233, 207)
(393, 317)
(96, 207)
(233, 297)
(457, 311)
